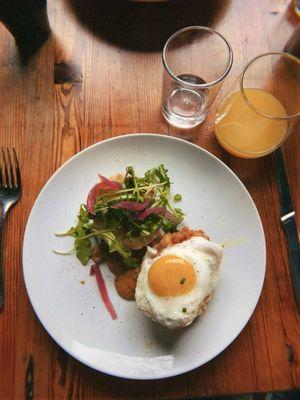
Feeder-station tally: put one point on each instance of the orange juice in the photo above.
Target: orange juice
(244, 132)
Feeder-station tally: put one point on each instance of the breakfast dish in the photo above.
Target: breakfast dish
(66, 299)
(171, 273)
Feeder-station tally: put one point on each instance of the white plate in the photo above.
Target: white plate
(133, 346)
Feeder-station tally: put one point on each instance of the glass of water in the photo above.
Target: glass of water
(196, 60)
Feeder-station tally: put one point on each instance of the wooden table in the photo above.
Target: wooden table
(99, 75)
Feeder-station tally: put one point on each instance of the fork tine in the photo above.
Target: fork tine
(6, 176)
(10, 168)
(17, 170)
(1, 172)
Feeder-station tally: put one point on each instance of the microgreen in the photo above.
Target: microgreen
(177, 197)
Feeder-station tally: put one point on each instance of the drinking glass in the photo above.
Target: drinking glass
(196, 60)
(262, 107)
(297, 7)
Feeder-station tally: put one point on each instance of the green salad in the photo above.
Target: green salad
(124, 217)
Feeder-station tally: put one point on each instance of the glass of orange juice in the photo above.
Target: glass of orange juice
(262, 107)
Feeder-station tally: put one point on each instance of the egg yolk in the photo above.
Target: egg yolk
(171, 276)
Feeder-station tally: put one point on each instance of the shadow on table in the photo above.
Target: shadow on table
(144, 26)
(28, 22)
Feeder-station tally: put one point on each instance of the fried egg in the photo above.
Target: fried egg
(175, 285)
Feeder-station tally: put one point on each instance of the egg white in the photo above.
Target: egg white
(180, 311)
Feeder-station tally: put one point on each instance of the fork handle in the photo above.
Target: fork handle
(2, 223)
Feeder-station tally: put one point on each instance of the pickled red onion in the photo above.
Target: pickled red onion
(131, 205)
(95, 269)
(106, 184)
(157, 210)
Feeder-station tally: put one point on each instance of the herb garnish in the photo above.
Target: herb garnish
(121, 227)
(184, 309)
(177, 197)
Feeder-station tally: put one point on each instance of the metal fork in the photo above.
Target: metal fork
(10, 190)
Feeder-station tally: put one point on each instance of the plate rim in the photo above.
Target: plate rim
(193, 366)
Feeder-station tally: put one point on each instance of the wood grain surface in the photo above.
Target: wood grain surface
(98, 75)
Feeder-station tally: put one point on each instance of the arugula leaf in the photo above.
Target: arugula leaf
(79, 232)
(83, 250)
(115, 245)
